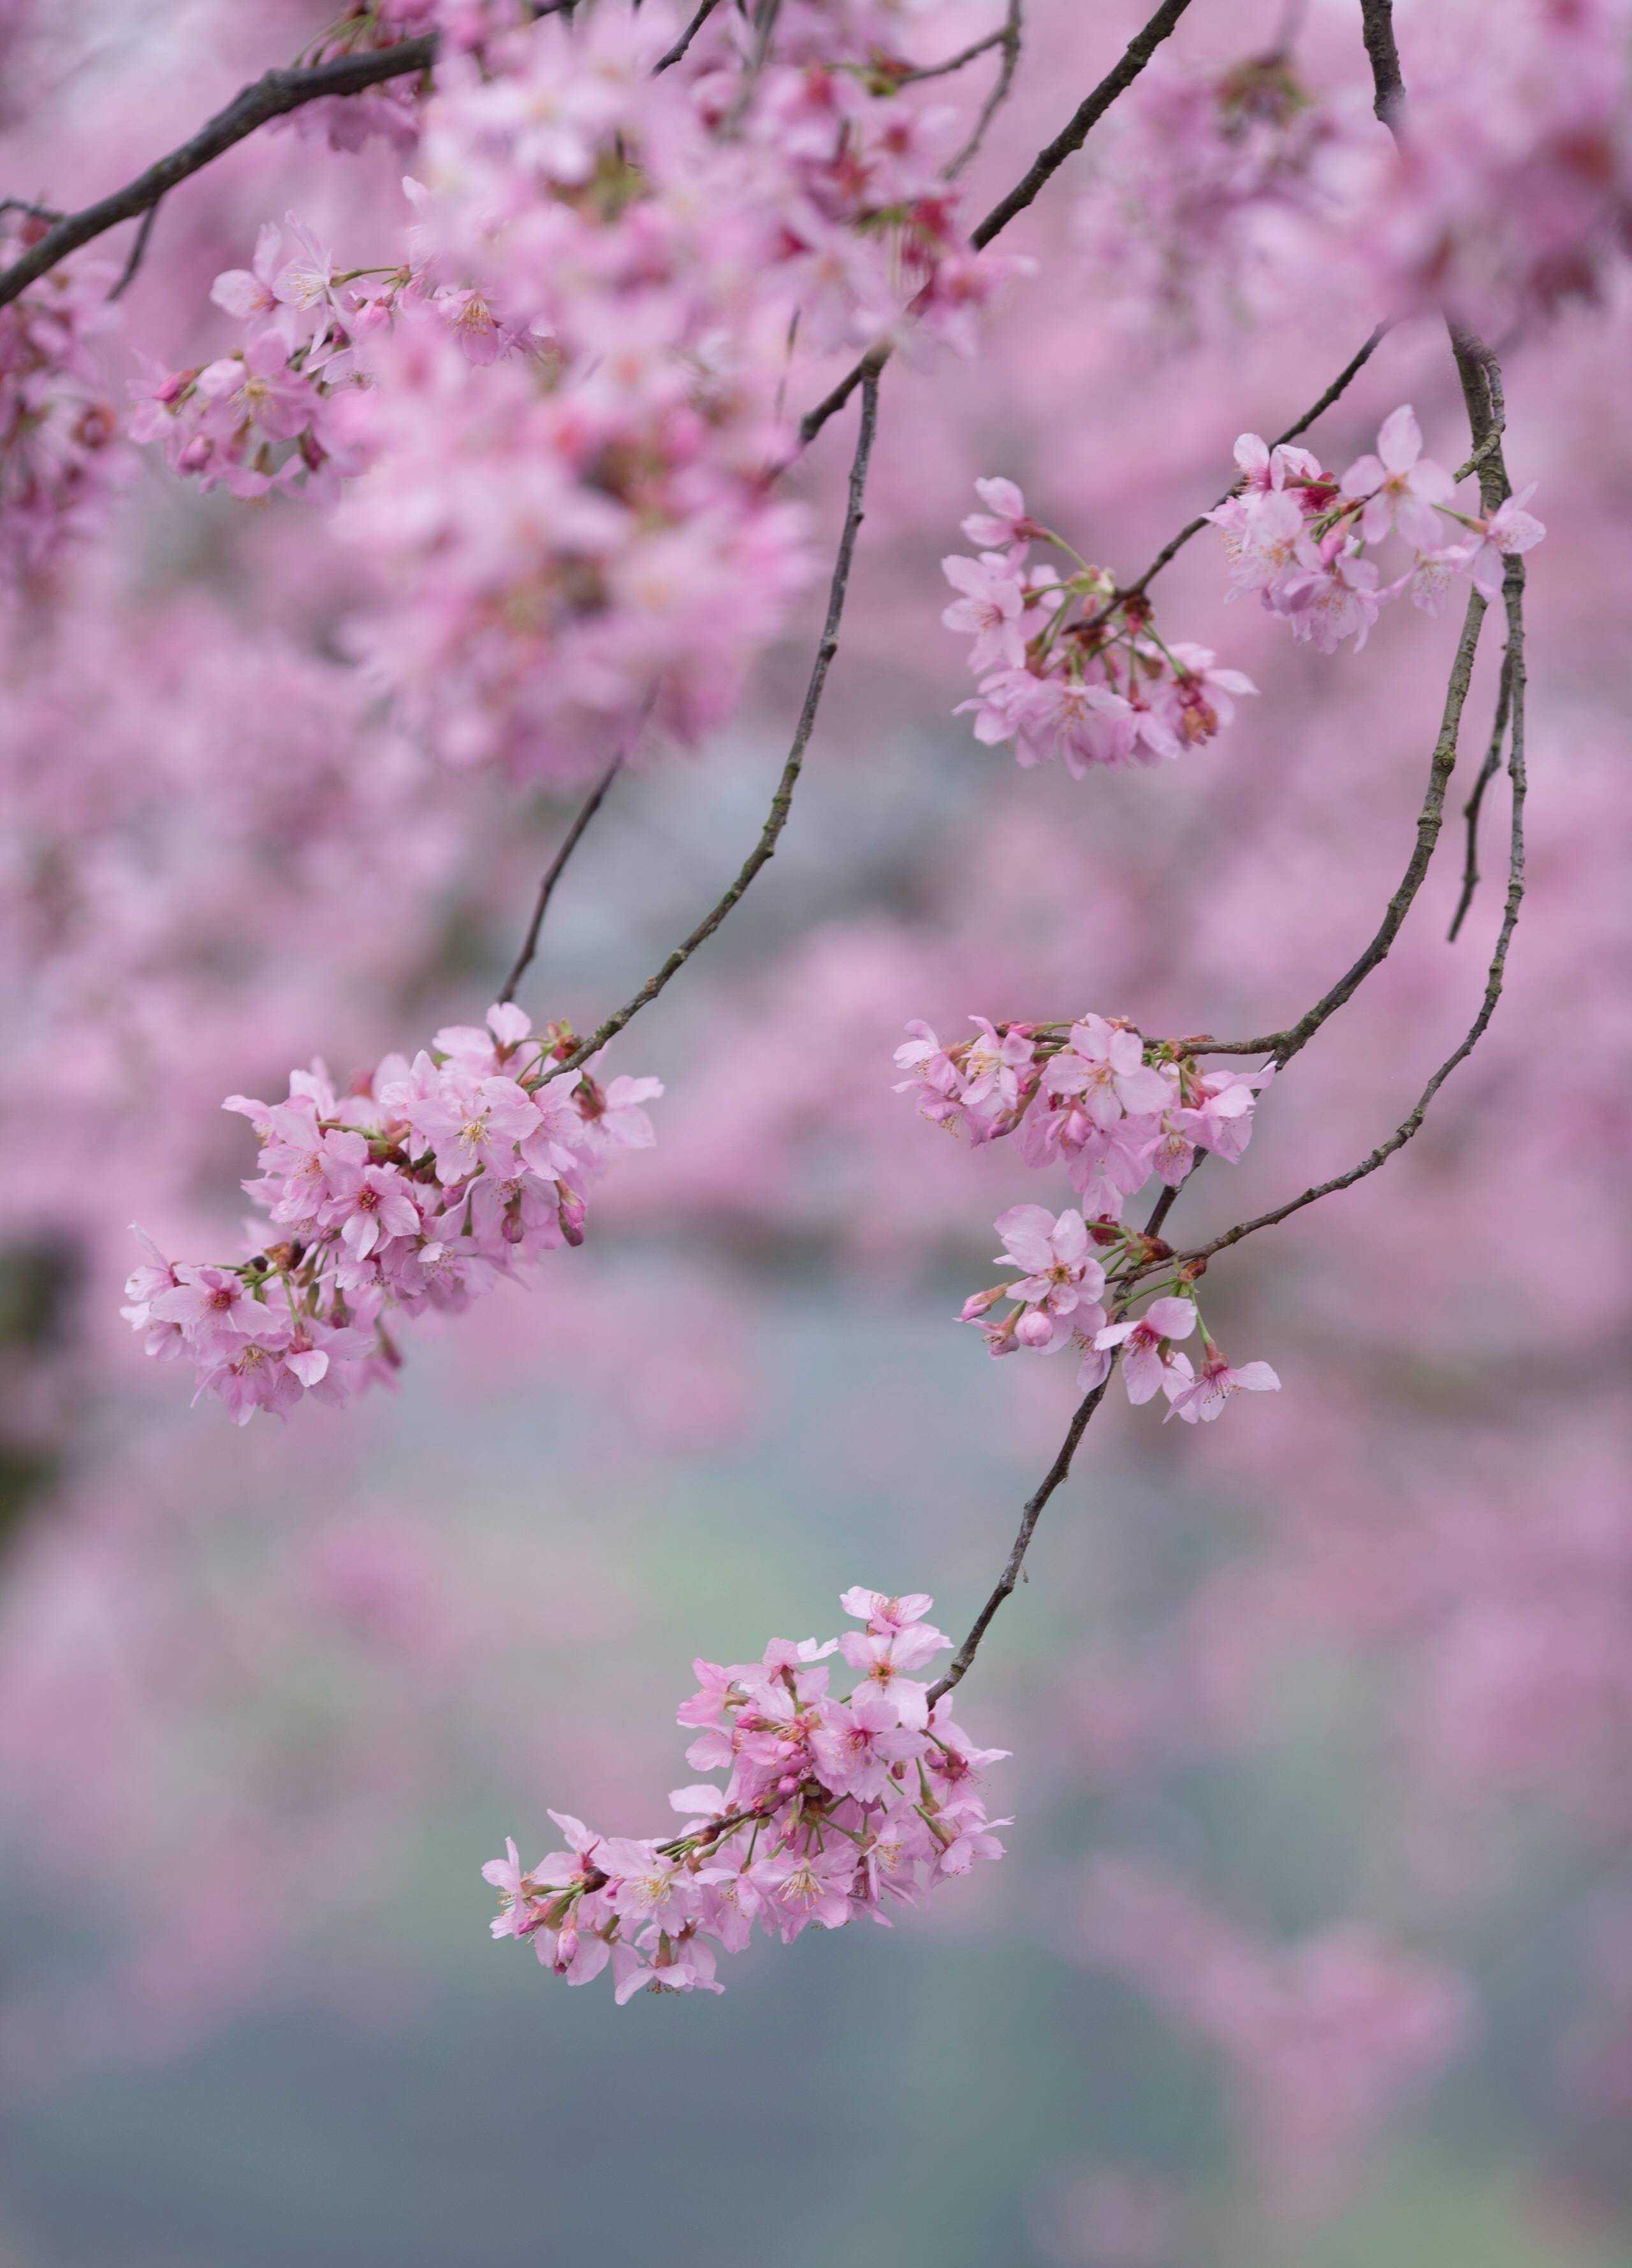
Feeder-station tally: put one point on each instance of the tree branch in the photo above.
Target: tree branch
(1482, 385)
(1029, 1518)
(1048, 162)
(1488, 771)
(1284, 1045)
(667, 60)
(1076, 128)
(1175, 544)
(1513, 582)
(552, 873)
(776, 818)
(1009, 39)
(272, 95)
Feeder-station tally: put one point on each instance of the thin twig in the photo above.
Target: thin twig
(1429, 819)
(1086, 115)
(138, 251)
(776, 818)
(1488, 771)
(1175, 544)
(1029, 1518)
(1009, 38)
(952, 64)
(1048, 162)
(667, 60)
(552, 873)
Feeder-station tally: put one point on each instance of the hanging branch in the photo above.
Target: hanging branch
(1481, 377)
(552, 873)
(781, 802)
(1042, 170)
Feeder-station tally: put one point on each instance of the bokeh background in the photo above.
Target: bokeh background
(1314, 1938)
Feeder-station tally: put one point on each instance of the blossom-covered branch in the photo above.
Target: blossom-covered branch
(1005, 1083)
(835, 1808)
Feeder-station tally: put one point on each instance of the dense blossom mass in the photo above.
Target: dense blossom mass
(415, 1191)
(570, 398)
(832, 1809)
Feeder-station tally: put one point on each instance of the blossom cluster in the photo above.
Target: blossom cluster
(417, 1190)
(832, 1809)
(1298, 536)
(584, 539)
(58, 435)
(1068, 665)
(1114, 1108)
(1094, 1096)
(266, 415)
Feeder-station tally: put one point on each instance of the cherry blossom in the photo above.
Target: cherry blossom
(417, 1189)
(835, 1808)
(1070, 667)
(1296, 537)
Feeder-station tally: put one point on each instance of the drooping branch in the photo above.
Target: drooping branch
(1032, 1509)
(272, 95)
(552, 873)
(1042, 169)
(781, 802)
(1029, 1517)
(1513, 594)
(1481, 377)
(1284, 1045)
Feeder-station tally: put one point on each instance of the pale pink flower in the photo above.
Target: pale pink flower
(1004, 525)
(1104, 1070)
(1507, 533)
(1400, 485)
(1146, 1346)
(1216, 1383)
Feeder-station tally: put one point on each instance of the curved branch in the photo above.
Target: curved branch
(1514, 591)
(552, 873)
(1047, 163)
(1175, 544)
(1029, 1518)
(272, 95)
(776, 818)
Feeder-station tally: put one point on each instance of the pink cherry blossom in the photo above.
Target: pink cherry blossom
(1216, 1383)
(833, 1809)
(1399, 485)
